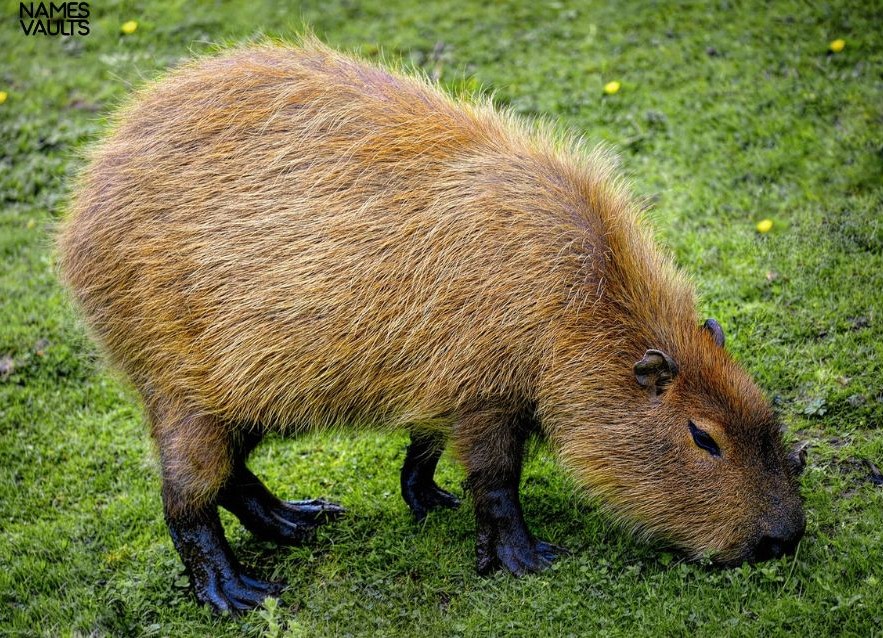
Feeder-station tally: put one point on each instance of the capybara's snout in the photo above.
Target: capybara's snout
(780, 539)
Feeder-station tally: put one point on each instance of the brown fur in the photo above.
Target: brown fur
(288, 238)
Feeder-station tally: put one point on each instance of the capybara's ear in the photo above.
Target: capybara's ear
(655, 371)
(717, 333)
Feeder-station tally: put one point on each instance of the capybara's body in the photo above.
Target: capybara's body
(287, 238)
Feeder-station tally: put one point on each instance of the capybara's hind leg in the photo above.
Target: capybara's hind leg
(196, 456)
(266, 516)
(217, 578)
(418, 486)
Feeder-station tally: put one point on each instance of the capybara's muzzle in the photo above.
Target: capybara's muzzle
(782, 539)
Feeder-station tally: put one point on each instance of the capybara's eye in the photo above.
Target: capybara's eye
(703, 440)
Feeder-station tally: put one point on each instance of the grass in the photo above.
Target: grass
(729, 113)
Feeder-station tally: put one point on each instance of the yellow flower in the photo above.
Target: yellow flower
(3, 96)
(764, 225)
(612, 87)
(129, 27)
(836, 46)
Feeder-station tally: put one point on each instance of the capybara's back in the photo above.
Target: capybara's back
(285, 238)
(293, 237)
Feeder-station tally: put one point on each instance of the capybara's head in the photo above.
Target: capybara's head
(692, 452)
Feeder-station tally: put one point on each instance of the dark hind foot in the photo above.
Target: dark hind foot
(418, 487)
(196, 453)
(234, 591)
(267, 517)
(307, 515)
(217, 578)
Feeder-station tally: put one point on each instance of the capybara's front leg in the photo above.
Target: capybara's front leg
(197, 456)
(418, 485)
(494, 453)
(502, 537)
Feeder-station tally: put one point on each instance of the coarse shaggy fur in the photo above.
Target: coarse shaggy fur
(289, 238)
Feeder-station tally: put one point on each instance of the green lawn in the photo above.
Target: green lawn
(728, 113)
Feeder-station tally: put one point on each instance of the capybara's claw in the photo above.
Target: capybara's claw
(272, 588)
(290, 522)
(423, 501)
(550, 551)
(518, 556)
(234, 592)
(437, 497)
(311, 512)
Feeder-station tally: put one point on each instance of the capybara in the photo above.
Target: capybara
(284, 238)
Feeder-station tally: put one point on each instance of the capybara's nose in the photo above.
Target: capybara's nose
(782, 541)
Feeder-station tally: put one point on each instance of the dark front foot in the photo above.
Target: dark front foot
(425, 498)
(503, 540)
(517, 554)
(267, 517)
(418, 486)
(217, 578)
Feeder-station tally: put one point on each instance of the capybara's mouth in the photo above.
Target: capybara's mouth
(762, 549)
